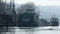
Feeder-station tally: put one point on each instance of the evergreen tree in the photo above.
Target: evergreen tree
(54, 21)
(28, 17)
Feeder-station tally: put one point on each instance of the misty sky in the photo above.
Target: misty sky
(41, 2)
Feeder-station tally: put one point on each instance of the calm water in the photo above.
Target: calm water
(39, 30)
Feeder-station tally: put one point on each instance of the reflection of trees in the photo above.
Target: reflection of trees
(29, 31)
(7, 32)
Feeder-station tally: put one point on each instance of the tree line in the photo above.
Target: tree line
(26, 15)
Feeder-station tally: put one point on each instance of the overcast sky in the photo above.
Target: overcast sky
(41, 2)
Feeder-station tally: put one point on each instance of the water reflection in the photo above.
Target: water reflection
(19, 30)
(15, 30)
